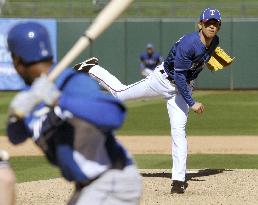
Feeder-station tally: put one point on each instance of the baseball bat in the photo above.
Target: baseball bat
(104, 19)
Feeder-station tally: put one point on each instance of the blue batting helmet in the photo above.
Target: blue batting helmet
(30, 41)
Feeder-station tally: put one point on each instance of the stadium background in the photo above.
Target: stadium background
(159, 22)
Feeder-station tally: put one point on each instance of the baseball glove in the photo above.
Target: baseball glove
(219, 60)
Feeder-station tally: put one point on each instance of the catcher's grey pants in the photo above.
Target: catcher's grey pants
(114, 187)
(155, 84)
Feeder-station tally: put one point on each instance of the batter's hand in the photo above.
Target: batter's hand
(23, 103)
(45, 90)
(198, 107)
(42, 90)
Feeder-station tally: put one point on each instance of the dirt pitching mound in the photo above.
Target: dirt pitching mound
(204, 187)
(47, 192)
(222, 187)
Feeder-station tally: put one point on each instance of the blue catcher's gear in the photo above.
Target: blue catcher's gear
(30, 41)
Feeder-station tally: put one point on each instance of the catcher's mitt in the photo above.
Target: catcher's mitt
(219, 60)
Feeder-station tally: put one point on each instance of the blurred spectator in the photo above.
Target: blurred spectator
(99, 4)
(149, 60)
(2, 3)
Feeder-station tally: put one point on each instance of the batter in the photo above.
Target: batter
(73, 126)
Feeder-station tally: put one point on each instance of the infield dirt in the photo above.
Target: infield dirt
(205, 187)
(160, 145)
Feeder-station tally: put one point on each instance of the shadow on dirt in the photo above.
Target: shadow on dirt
(189, 176)
(204, 173)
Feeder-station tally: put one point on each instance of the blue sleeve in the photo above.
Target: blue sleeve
(142, 58)
(142, 66)
(83, 97)
(157, 57)
(103, 113)
(180, 78)
(184, 54)
(17, 131)
(81, 85)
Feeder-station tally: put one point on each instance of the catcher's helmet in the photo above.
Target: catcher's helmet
(30, 41)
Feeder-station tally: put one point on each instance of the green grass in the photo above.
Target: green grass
(227, 113)
(200, 161)
(5, 98)
(37, 168)
(33, 168)
(146, 118)
(140, 8)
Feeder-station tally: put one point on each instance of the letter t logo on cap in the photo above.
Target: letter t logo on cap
(212, 12)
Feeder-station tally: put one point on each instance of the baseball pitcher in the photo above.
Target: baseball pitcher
(173, 80)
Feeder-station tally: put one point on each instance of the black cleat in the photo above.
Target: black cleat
(178, 187)
(86, 65)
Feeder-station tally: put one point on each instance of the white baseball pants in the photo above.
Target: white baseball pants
(146, 71)
(156, 84)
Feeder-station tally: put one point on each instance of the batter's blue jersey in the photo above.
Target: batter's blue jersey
(150, 61)
(186, 60)
(81, 98)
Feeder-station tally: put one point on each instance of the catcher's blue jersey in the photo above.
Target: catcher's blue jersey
(186, 59)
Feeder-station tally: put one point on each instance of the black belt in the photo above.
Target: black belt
(169, 77)
(82, 184)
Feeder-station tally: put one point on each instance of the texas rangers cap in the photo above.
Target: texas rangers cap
(210, 13)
